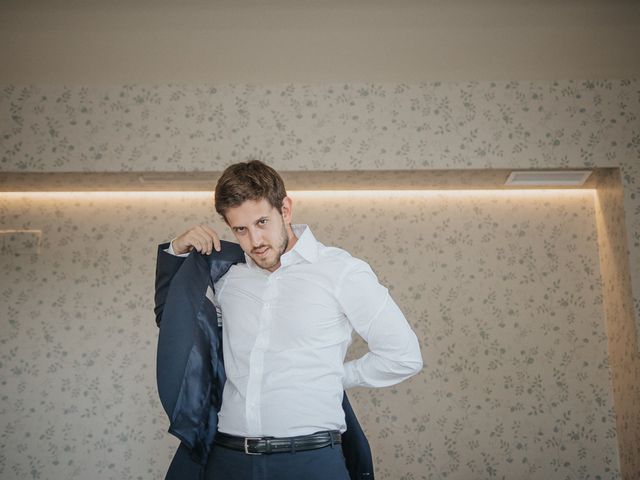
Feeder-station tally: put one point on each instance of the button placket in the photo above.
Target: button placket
(256, 364)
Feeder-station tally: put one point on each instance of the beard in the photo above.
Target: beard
(274, 252)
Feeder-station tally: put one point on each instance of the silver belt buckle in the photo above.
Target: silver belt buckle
(246, 445)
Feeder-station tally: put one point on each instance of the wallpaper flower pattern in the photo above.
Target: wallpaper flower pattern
(504, 292)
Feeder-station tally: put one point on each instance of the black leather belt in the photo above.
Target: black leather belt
(262, 445)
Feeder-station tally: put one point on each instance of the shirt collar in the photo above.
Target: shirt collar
(306, 248)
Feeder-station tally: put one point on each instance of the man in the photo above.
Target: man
(287, 317)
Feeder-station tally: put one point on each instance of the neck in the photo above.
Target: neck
(292, 238)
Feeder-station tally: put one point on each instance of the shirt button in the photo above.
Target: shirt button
(267, 305)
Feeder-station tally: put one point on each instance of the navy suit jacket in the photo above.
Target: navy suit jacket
(190, 369)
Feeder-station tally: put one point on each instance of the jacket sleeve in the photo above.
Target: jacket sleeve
(166, 267)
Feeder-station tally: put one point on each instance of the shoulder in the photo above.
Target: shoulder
(342, 260)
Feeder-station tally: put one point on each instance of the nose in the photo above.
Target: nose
(256, 238)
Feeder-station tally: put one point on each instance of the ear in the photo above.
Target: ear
(287, 205)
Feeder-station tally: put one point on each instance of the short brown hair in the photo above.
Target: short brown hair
(252, 180)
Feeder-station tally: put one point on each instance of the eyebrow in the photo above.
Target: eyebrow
(264, 217)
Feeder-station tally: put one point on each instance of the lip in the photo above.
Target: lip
(262, 253)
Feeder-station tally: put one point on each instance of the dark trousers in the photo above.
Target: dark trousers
(321, 464)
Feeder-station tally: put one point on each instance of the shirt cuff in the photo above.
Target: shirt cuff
(170, 251)
(351, 376)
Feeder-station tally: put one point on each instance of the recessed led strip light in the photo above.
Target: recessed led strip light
(547, 178)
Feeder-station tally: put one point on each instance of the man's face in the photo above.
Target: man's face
(261, 231)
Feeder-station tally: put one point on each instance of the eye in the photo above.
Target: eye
(263, 221)
(240, 230)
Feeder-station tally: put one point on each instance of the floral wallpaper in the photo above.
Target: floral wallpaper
(512, 296)
(508, 310)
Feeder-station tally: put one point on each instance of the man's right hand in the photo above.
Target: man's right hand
(200, 237)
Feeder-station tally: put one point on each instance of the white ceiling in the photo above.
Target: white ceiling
(197, 41)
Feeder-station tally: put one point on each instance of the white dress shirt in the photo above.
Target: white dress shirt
(286, 333)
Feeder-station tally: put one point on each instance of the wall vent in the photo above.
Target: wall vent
(542, 178)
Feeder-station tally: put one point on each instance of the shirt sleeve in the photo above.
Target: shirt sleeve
(394, 352)
(170, 250)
